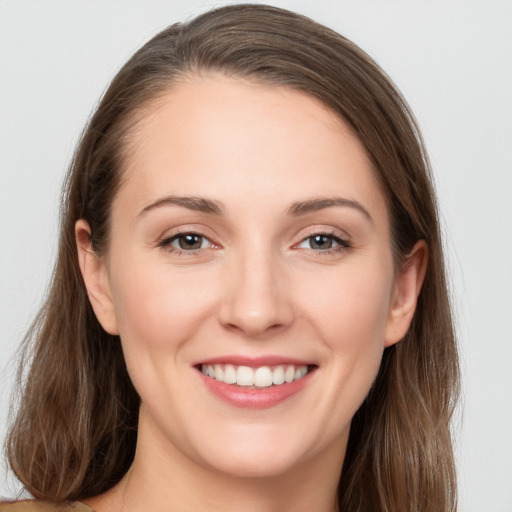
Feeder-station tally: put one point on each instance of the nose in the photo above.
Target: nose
(257, 298)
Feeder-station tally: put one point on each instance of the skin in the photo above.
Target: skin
(257, 286)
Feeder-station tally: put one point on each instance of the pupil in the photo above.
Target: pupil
(321, 242)
(190, 242)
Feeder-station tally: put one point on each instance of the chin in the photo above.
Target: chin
(250, 466)
(265, 451)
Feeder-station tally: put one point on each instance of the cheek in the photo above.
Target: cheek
(352, 307)
(158, 313)
(156, 310)
(350, 318)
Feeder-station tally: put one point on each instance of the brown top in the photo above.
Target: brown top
(42, 506)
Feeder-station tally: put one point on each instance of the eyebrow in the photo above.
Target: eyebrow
(198, 204)
(313, 205)
(202, 204)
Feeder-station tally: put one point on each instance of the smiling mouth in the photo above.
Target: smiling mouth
(257, 378)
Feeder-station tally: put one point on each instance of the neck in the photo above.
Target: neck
(163, 478)
(146, 489)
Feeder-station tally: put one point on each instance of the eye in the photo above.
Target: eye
(323, 242)
(186, 242)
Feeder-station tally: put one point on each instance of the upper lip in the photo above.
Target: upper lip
(254, 362)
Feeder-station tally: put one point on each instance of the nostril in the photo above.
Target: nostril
(254, 329)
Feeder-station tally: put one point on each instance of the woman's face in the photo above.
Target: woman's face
(249, 236)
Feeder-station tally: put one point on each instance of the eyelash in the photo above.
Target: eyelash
(342, 244)
(167, 241)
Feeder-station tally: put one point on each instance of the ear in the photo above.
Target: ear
(95, 276)
(407, 288)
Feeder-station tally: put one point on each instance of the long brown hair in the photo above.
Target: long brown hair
(75, 432)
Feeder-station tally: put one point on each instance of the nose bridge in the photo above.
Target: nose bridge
(256, 299)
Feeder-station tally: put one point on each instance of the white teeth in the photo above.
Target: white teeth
(289, 374)
(278, 375)
(262, 377)
(219, 373)
(245, 376)
(229, 374)
(300, 372)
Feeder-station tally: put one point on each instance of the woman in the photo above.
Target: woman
(249, 307)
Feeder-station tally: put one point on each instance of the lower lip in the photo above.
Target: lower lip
(255, 398)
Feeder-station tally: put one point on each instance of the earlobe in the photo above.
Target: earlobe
(94, 274)
(405, 295)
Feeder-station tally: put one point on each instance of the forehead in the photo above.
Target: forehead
(218, 135)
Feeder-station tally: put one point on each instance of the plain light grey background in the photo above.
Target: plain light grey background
(451, 59)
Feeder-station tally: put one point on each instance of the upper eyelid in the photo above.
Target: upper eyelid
(186, 230)
(329, 231)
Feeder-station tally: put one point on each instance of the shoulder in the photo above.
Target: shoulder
(42, 506)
